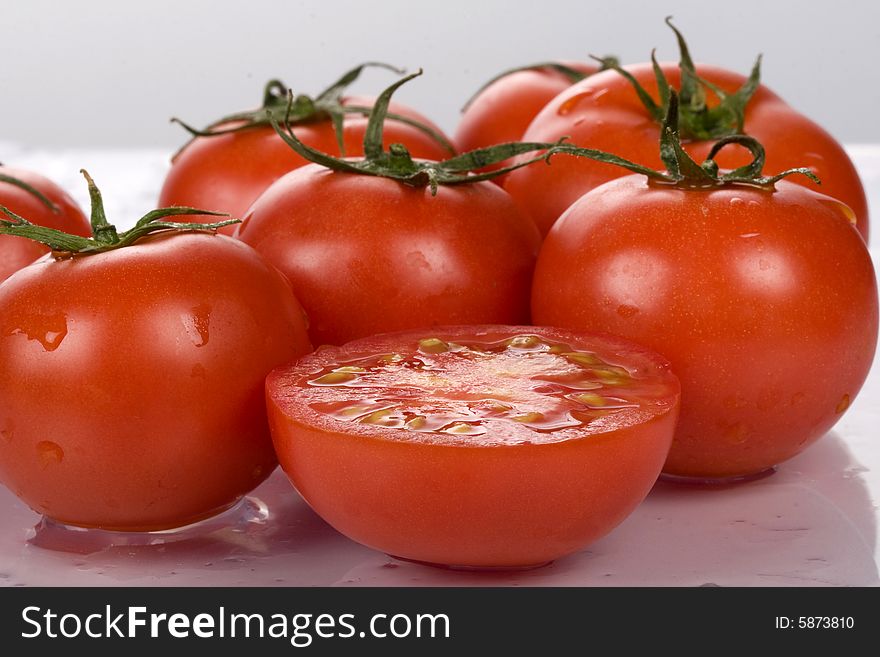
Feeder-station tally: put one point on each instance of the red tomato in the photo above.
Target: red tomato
(131, 381)
(480, 446)
(503, 110)
(764, 302)
(16, 252)
(367, 254)
(604, 112)
(226, 173)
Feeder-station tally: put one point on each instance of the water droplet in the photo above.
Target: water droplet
(568, 105)
(736, 434)
(841, 209)
(49, 453)
(48, 330)
(843, 404)
(736, 201)
(626, 311)
(196, 323)
(748, 235)
(7, 432)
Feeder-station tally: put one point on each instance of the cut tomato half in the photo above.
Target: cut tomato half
(492, 446)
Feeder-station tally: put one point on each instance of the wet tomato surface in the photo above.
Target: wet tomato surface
(131, 381)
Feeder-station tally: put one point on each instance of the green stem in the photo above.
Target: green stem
(30, 189)
(697, 121)
(572, 74)
(683, 172)
(105, 237)
(326, 106)
(397, 164)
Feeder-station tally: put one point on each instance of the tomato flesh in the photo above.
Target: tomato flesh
(490, 446)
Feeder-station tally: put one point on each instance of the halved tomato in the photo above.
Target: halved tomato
(475, 446)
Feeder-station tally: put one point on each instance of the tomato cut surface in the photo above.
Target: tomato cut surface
(475, 446)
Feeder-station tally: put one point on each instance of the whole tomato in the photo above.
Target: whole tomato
(605, 112)
(369, 255)
(44, 203)
(760, 292)
(503, 108)
(387, 243)
(228, 166)
(131, 378)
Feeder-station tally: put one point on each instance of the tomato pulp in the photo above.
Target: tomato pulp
(764, 301)
(131, 381)
(492, 446)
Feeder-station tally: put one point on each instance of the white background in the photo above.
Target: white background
(99, 73)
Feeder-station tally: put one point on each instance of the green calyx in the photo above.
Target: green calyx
(30, 189)
(682, 171)
(397, 163)
(697, 121)
(572, 74)
(105, 237)
(326, 106)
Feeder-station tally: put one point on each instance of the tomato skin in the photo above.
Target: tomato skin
(764, 303)
(369, 255)
(16, 252)
(503, 110)
(603, 112)
(483, 506)
(131, 381)
(226, 173)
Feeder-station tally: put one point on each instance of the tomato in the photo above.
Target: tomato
(477, 446)
(16, 252)
(131, 381)
(765, 303)
(227, 172)
(502, 110)
(368, 254)
(604, 112)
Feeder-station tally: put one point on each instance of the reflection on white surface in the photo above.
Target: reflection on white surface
(812, 523)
